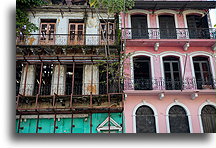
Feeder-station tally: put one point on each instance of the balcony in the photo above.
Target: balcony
(162, 84)
(66, 39)
(172, 33)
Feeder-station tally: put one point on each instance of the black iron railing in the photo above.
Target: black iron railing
(66, 39)
(171, 33)
(162, 84)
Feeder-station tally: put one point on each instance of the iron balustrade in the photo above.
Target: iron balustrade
(162, 84)
(171, 33)
(66, 39)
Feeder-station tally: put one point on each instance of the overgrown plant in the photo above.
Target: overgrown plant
(23, 25)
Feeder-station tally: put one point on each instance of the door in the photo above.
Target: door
(107, 33)
(47, 33)
(76, 34)
(167, 27)
(139, 27)
(172, 73)
(208, 115)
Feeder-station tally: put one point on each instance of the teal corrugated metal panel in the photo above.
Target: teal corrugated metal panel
(28, 126)
(78, 125)
(17, 124)
(64, 125)
(47, 125)
(97, 119)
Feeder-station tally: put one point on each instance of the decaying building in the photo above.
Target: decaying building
(67, 72)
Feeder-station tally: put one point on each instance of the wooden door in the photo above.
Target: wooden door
(167, 27)
(139, 27)
(76, 34)
(107, 33)
(208, 115)
(47, 34)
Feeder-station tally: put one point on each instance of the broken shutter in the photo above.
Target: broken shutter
(76, 34)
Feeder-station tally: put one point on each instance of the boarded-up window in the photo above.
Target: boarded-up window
(107, 33)
(145, 120)
(76, 34)
(208, 115)
(47, 32)
(178, 120)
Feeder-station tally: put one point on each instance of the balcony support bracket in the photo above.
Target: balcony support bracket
(186, 46)
(161, 95)
(156, 46)
(194, 95)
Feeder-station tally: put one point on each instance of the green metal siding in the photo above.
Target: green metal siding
(80, 125)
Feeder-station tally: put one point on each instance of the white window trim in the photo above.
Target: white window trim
(188, 12)
(167, 12)
(141, 53)
(155, 115)
(171, 54)
(202, 53)
(187, 113)
(144, 12)
(200, 110)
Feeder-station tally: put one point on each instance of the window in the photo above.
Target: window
(145, 120)
(107, 31)
(208, 115)
(45, 79)
(178, 120)
(76, 33)
(167, 27)
(139, 27)
(198, 27)
(172, 73)
(47, 32)
(203, 73)
(142, 73)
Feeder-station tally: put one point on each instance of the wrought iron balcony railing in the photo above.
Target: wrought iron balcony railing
(162, 84)
(171, 33)
(66, 39)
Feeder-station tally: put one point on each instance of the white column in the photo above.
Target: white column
(58, 80)
(90, 73)
(27, 80)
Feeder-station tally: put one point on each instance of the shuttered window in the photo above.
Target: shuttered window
(167, 27)
(107, 31)
(139, 27)
(47, 33)
(76, 34)
(178, 120)
(145, 120)
(208, 115)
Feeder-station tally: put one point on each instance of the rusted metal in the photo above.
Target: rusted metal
(37, 123)
(55, 127)
(25, 79)
(58, 77)
(20, 117)
(41, 72)
(72, 122)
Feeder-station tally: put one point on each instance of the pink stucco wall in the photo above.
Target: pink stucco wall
(161, 106)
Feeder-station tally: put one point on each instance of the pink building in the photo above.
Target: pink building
(170, 69)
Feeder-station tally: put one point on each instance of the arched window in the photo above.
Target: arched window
(167, 27)
(172, 73)
(198, 27)
(142, 73)
(145, 120)
(202, 72)
(139, 27)
(208, 115)
(178, 120)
